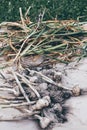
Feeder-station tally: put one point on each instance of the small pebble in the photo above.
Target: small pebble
(33, 79)
(43, 86)
(58, 107)
(76, 91)
(39, 68)
(58, 77)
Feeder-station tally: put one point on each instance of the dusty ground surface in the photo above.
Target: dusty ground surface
(77, 118)
(73, 74)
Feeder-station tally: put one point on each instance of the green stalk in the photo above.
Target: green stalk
(28, 47)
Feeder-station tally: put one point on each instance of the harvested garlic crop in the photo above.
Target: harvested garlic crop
(44, 121)
(41, 103)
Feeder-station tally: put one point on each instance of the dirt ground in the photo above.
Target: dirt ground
(73, 74)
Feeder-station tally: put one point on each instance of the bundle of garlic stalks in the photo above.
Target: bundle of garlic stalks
(28, 51)
(43, 42)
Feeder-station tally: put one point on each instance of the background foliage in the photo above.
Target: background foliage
(60, 9)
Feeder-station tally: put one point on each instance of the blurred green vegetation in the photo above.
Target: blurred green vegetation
(60, 9)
